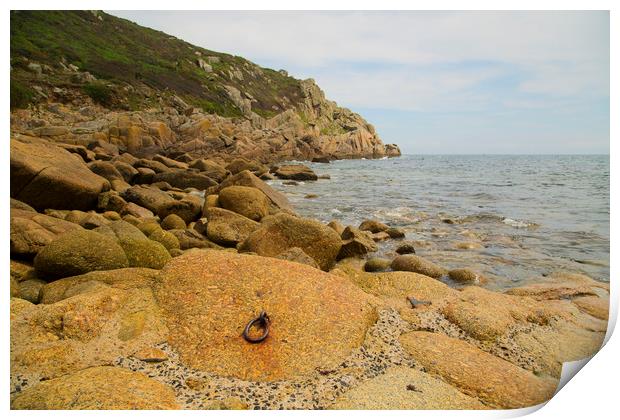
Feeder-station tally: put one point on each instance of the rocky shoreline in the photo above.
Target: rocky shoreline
(133, 277)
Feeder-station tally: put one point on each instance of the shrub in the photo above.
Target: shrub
(100, 93)
(21, 95)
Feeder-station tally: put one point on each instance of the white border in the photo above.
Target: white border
(592, 395)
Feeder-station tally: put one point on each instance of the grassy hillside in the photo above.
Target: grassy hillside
(119, 52)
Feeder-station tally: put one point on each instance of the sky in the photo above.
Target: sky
(434, 82)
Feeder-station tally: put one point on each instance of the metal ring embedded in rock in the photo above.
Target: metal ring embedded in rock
(262, 321)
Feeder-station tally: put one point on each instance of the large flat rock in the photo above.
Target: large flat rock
(209, 296)
(494, 381)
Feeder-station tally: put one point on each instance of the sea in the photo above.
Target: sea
(514, 219)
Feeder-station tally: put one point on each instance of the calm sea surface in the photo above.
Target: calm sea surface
(528, 215)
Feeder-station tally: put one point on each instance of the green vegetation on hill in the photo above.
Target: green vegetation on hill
(120, 52)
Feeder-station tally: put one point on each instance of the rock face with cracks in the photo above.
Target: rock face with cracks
(45, 176)
(209, 296)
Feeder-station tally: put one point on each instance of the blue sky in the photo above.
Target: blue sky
(434, 82)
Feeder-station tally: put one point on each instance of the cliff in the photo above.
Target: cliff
(84, 76)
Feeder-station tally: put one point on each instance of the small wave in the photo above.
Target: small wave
(517, 223)
(335, 211)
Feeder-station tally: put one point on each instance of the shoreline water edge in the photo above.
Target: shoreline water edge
(154, 285)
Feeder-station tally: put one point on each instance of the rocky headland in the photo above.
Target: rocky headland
(143, 241)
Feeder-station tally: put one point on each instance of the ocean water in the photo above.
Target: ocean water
(528, 215)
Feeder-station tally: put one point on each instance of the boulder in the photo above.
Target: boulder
(30, 289)
(396, 287)
(211, 200)
(167, 239)
(153, 165)
(19, 205)
(88, 220)
(404, 388)
(395, 233)
(405, 248)
(147, 197)
(486, 315)
(122, 278)
(189, 208)
(105, 169)
(144, 176)
(464, 276)
(171, 163)
(282, 231)
(31, 231)
(356, 243)
(185, 179)
(417, 264)
(111, 201)
(337, 226)
(140, 250)
(45, 176)
(240, 165)
(172, 221)
(373, 226)
(135, 210)
(189, 238)
(246, 201)
(77, 252)
(290, 293)
(210, 169)
(278, 201)
(299, 256)
(127, 171)
(593, 305)
(98, 388)
(296, 172)
(380, 236)
(227, 228)
(377, 264)
(496, 382)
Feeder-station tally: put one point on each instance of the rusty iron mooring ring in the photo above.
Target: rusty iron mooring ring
(263, 322)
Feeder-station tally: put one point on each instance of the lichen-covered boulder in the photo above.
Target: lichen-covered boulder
(299, 256)
(173, 221)
(147, 197)
(98, 388)
(356, 243)
(373, 226)
(185, 179)
(31, 231)
(210, 169)
(77, 252)
(92, 325)
(140, 250)
(282, 231)
(277, 201)
(228, 228)
(296, 172)
(417, 264)
(167, 239)
(246, 201)
(46, 176)
(316, 318)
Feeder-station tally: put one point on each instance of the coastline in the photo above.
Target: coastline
(194, 273)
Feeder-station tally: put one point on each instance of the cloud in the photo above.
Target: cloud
(479, 64)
